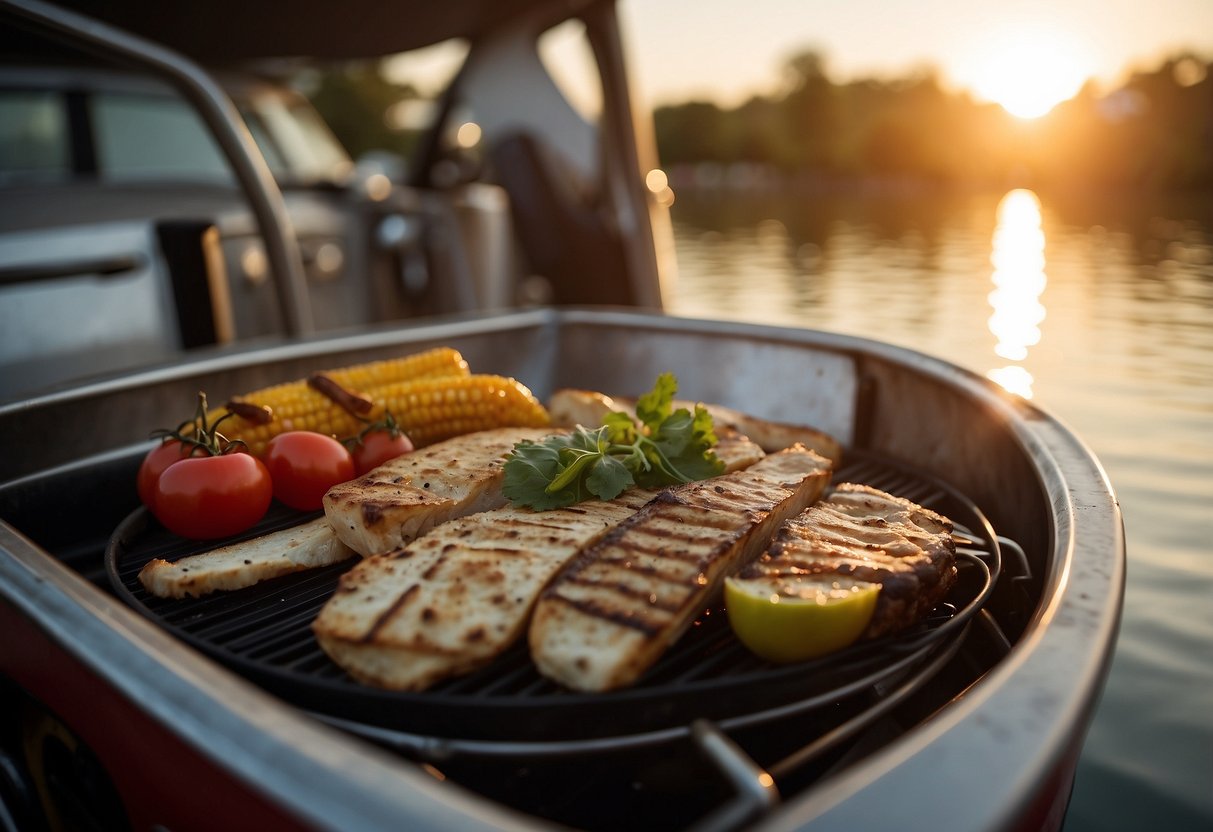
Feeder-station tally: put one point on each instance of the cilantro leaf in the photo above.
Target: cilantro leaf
(672, 446)
(620, 428)
(681, 448)
(609, 478)
(530, 467)
(654, 407)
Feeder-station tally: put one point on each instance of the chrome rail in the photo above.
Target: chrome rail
(220, 114)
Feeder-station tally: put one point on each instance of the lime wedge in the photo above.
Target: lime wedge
(790, 619)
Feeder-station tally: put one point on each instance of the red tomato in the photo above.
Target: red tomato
(158, 458)
(304, 465)
(377, 447)
(206, 497)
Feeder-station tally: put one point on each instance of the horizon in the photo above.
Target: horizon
(1026, 56)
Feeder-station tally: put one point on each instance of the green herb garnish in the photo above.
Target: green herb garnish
(670, 446)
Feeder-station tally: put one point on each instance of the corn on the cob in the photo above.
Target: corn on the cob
(291, 402)
(441, 362)
(427, 410)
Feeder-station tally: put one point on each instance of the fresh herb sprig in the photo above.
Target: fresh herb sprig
(668, 447)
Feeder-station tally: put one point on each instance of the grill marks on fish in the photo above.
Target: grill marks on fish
(672, 544)
(865, 534)
(612, 613)
(404, 498)
(454, 599)
(387, 615)
(460, 598)
(648, 570)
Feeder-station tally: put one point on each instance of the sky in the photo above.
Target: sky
(1027, 55)
(727, 50)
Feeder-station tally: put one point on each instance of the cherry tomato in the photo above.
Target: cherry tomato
(207, 497)
(303, 465)
(377, 447)
(167, 453)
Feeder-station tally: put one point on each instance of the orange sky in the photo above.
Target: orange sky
(730, 49)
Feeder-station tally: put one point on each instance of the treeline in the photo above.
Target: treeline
(1156, 131)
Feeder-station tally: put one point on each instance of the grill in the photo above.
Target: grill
(1005, 672)
(706, 689)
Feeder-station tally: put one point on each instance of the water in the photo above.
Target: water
(1102, 311)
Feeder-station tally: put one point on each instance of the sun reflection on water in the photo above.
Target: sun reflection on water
(1019, 280)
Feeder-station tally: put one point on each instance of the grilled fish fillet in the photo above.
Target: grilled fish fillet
(246, 563)
(407, 496)
(570, 407)
(621, 602)
(864, 534)
(458, 597)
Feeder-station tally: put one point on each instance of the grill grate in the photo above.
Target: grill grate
(263, 632)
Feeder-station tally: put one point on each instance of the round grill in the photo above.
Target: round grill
(263, 632)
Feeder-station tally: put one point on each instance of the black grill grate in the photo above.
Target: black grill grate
(263, 632)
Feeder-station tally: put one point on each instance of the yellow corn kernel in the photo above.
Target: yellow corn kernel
(436, 363)
(440, 362)
(307, 409)
(431, 410)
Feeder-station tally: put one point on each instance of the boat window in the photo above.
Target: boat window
(373, 109)
(429, 70)
(309, 151)
(321, 155)
(141, 137)
(33, 136)
(265, 142)
(568, 57)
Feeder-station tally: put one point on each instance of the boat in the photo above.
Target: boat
(125, 711)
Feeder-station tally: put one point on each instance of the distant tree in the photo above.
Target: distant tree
(1177, 134)
(811, 114)
(1156, 131)
(757, 133)
(691, 132)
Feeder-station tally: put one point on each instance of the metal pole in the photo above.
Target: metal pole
(217, 110)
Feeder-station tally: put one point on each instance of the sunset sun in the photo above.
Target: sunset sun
(1029, 73)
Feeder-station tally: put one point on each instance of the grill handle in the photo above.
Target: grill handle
(755, 789)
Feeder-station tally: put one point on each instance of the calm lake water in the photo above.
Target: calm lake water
(1100, 309)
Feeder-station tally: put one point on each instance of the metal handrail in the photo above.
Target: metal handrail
(220, 115)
